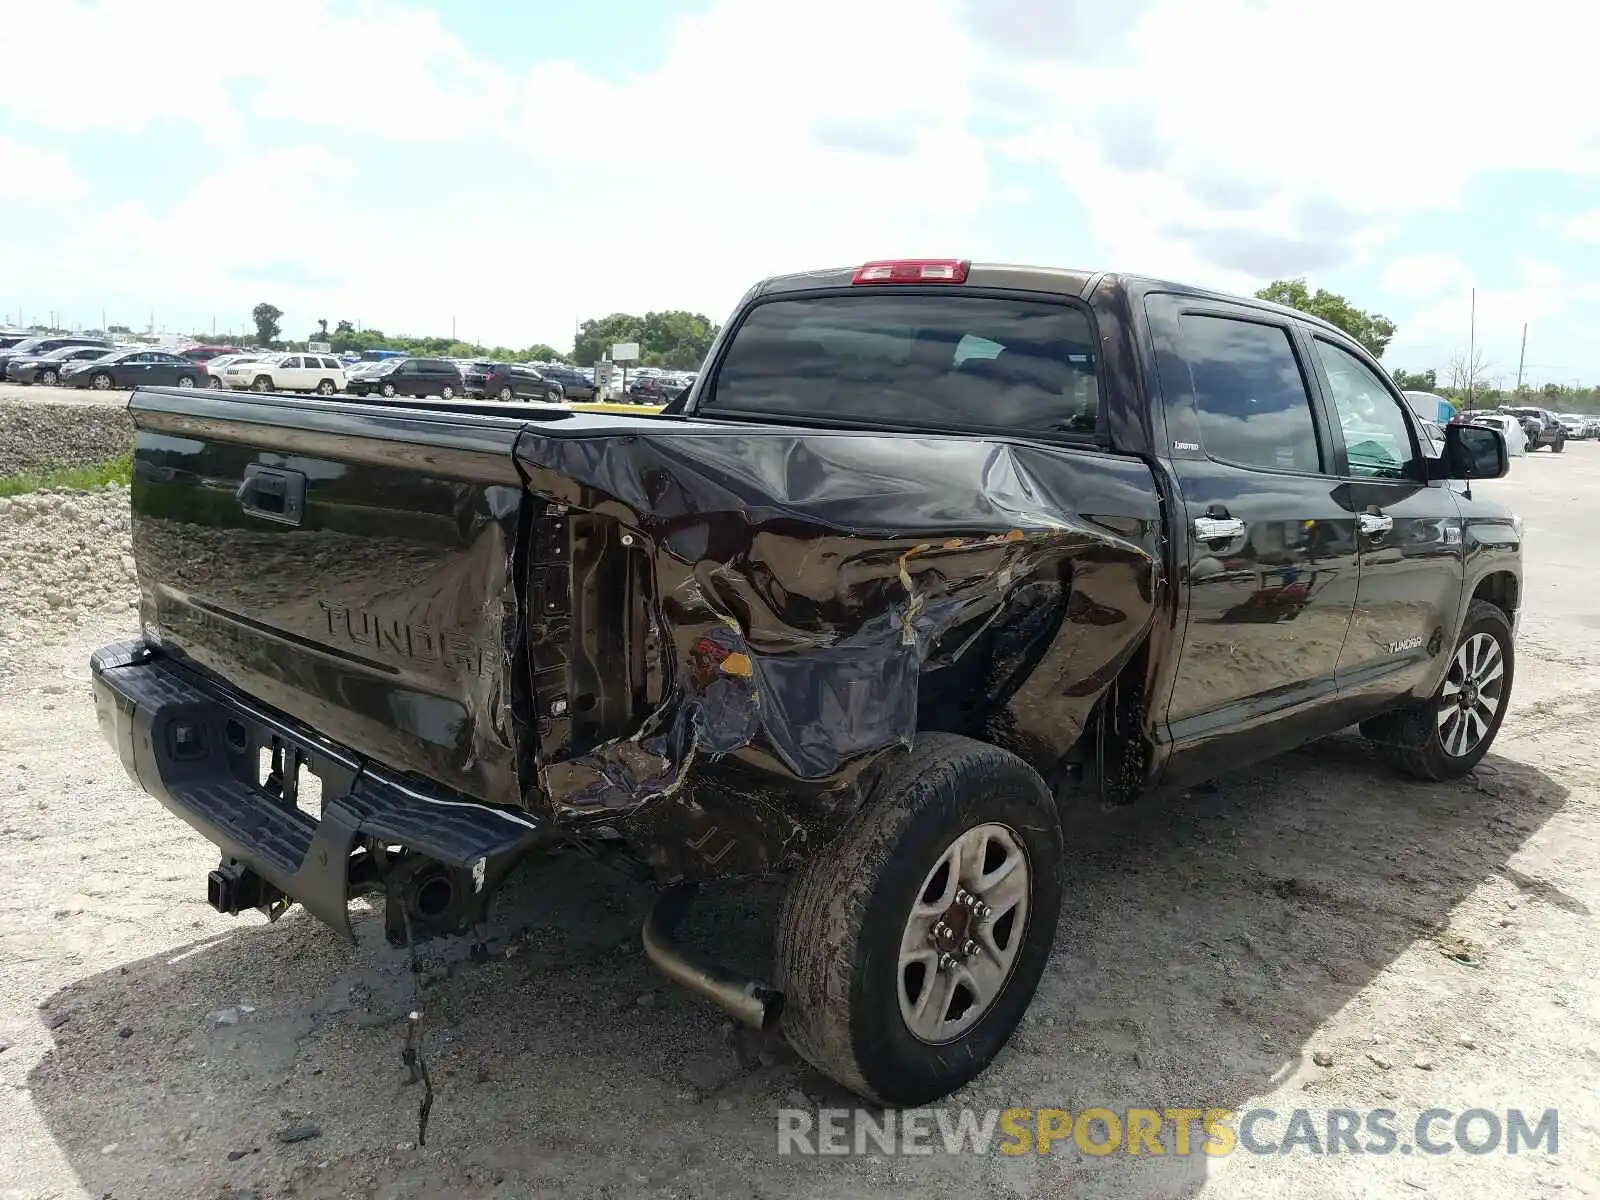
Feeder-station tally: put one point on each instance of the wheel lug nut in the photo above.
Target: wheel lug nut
(947, 962)
(969, 948)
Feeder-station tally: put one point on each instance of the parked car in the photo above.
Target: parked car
(46, 368)
(1575, 425)
(865, 611)
(132, 367)
(1509, 428)
(319, 373)
(572, 382)
(1542, 427)
(217, 366)
(651, 389)
(509, 381)
(206, 354)
(418, 377)
(28, 347)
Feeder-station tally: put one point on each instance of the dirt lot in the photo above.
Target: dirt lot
(1211, 945)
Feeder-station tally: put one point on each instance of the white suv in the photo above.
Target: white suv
(320, 373)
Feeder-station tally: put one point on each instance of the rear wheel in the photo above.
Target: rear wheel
(1558, 445)
(553, 394)
(1449, 735)
(326, 388)
(261, 383)
(48, 378)
(909, 949)
(505, 395)
(186, 381)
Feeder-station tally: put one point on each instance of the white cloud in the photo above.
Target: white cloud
(34, 175)
(1244, 132)
(1585, 227)
(1425, 276)
(1225, 143)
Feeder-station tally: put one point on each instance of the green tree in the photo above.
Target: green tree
(596, 337)
(1416, 381)
(539, 352)
(666, 339)
(1372, 330)
(266, 317)
(343, 327)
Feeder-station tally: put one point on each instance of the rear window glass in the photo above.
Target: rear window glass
(917, 360)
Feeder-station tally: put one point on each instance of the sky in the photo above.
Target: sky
(506, 168)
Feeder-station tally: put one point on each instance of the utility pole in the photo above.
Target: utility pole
(1521, 356)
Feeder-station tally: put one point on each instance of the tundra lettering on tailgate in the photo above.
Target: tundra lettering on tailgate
(419, 642)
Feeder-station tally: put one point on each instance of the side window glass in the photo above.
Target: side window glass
(1377, 436)
(1250, 396)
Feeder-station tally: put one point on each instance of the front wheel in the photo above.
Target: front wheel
(447, 392)
(101, 382)
(261, 383)
(505, 395)
(553, 395)
(1558, 445)
(910, 947)
(387, 391)
(214, 383)
(1449, 735)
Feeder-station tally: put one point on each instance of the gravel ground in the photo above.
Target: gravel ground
(36, 434)
(1218, 947)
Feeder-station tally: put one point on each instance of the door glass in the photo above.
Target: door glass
(1377, 436)
(1249, 394)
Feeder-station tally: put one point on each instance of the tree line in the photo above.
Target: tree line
(675, 339)
(1466, 380)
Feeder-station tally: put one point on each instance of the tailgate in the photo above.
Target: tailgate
(348, 565)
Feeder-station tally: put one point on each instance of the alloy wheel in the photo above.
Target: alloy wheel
(1472, 694)
(961, 938)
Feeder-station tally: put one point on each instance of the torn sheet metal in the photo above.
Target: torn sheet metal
(820, 597)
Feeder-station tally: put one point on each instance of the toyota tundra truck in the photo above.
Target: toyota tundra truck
(928, 551)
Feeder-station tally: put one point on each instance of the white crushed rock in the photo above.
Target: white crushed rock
(65, 556)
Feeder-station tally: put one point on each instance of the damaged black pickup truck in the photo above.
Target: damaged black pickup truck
(929, 549)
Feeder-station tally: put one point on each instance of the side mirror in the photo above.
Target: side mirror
(1471, 452)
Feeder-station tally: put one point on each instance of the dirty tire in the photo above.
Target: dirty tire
(1410, 738)
(1558, 446)
(844, 914)
(327, 388)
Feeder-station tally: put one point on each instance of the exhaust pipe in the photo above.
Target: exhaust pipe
(749, 1001)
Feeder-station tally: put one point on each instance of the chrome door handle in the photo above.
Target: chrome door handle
(1375, 525)
(1217, 529)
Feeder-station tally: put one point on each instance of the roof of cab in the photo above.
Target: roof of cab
(1053, 280)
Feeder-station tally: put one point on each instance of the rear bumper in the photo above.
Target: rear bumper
(196, 747)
